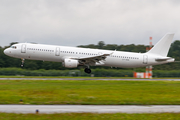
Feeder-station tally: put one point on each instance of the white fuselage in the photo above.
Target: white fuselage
(60, 53)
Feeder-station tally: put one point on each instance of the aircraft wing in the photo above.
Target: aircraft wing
(93, 60)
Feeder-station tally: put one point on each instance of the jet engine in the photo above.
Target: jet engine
(69, 63)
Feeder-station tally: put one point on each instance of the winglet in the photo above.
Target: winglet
(162, 47)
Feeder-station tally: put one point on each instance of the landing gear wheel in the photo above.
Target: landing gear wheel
(22, 60)
(87, 70)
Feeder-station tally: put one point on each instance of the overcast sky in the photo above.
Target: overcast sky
(82, 22)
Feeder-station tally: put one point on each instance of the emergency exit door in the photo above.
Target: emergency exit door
(145, 59)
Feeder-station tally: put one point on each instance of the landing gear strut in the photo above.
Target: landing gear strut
(87, 70)
(22, 60)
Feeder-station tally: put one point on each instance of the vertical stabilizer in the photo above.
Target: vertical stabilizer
(162, 47)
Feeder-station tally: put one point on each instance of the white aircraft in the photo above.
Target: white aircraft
(72, 57)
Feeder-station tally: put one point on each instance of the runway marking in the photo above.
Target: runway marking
(50, 109)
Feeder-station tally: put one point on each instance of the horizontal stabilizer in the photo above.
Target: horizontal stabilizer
(164, 59)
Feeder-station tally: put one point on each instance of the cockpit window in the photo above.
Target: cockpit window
(13, 47)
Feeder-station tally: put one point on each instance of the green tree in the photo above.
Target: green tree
(101, 44)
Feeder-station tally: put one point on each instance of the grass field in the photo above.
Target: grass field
(2, 76)
(90, 92)
(90, 116)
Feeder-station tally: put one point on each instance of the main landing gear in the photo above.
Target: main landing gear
(87, 70)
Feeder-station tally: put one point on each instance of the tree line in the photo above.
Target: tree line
(6, 61)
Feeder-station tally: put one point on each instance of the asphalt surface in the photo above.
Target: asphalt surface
(50, 109)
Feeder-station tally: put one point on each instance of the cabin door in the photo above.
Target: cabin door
(57, 52)
(145, 59)
(23, 48)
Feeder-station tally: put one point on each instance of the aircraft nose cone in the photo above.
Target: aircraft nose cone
(7, 51)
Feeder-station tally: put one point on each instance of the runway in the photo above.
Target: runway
(50, 109)
(132, 79)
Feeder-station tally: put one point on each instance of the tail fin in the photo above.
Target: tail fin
(162, 47)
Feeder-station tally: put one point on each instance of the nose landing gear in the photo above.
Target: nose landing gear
(87, 70)
(22, 60)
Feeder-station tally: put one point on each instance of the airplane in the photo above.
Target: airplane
(72, 57)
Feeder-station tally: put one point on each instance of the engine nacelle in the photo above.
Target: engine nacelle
(69, 63)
